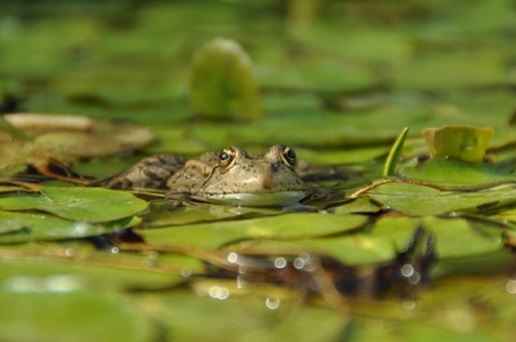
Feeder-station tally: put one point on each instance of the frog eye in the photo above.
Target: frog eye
(289, 156)
(226, 157)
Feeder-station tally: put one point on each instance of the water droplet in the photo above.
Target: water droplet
(232, 257)
(407, 270)
(150, 260)
(510, 287)
(280, 262)
(414, 278)
(185, 272)
(272, 303)
(61, 283)
(409, 304)
(219, 292)
(70, 252)
(240, 282)
(242, 269)
(54, 283)
(299, 263)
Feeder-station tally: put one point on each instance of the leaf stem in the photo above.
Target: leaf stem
(465, 188)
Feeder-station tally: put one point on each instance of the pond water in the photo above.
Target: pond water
(426, 253)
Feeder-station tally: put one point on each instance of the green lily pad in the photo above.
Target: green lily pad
(68, 315)
(417, 200)
(456, 172)
(78, 204)
(467, 143)
(379, 246)
(20, 227)
(288, 226)
(459, 310)
(255, 314)
(456, 238)
(38, 266)
(15, 155)
(160, 214)
(390, 235)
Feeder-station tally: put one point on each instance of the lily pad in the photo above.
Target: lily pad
(70, 315)
(467, 143)
(45, 266)
(78, 204)
(22, 227)
(389, 236)
(160, 214)
(79, 136)
(378, 246)
(257, 315)
(456, 172)
(288, 226)
(417, 200)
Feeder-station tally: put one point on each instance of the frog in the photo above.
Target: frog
(232, 177)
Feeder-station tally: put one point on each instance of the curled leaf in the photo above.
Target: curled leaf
(222, 83)
(65, 136)
(467, 143)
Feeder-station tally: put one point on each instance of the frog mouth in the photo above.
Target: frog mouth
(264, 199)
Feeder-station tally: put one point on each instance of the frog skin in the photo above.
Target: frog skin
(233, 177)
(239, 178)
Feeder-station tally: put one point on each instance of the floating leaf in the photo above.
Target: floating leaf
(10, 130)
(37, 265)
(78, 204)
(390, 235)
(161, 216)
(21, 227)
(288, 226)
(420, 200)
(80, 136)
(458, 310)
(467, 143)
(457, 172)
(379, 246)
(67, 314)
(15, 155)
(248, 314)
(451, 234)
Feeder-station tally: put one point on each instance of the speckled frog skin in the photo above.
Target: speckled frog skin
(237, 177)
(232, 176)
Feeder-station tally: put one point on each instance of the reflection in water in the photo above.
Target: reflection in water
(272, 303)
(510, 287)
(219, 292)
(325, 276)
(58, 283)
